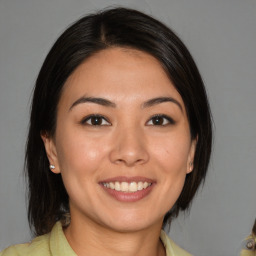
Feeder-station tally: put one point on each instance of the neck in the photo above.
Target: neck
(90, 238)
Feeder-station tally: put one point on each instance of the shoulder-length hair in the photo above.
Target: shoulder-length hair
(118, 27)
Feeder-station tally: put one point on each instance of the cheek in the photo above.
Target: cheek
(78, 154)
(80, 160)
(172, 159)
(172, 153)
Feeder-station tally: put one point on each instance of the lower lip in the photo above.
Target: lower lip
(129, 196)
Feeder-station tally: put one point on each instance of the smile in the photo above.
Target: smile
(129, 187)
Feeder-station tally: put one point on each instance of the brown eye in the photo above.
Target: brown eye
(95, 120)
(160, 120)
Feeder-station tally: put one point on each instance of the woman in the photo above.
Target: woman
(119, 141)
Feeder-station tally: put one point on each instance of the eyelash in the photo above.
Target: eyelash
(100, 117)
(166, 120)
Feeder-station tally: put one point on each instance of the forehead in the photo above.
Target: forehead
(119, 73)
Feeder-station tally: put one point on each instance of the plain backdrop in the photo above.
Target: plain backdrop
(221, 35)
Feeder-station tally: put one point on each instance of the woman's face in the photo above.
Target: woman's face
(122, 142)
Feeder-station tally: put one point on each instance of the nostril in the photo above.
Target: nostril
(129, 147)
(129, 158)
(129, 161)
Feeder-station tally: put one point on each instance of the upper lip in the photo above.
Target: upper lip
(128, 179)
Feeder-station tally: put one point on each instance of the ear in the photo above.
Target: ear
(51, 152)
(190, 163)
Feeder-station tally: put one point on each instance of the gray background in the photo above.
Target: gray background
(221, 35)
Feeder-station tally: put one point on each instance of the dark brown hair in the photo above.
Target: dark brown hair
(48, 199)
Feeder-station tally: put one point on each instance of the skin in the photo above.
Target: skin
(127, 143)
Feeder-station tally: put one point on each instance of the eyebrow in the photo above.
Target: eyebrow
(107, 103)
(159, 100)
(100, 101)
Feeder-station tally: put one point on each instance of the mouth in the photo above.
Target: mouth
(128, 189)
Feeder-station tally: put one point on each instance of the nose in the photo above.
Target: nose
(129, 147)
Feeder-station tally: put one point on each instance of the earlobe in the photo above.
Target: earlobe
(190, 168)
(190, 165)
(51, 152)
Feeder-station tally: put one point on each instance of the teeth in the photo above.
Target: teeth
(145, 185)
(124, 186)
(117, 186)
(111, 185)
(140, 185)
(127, 187)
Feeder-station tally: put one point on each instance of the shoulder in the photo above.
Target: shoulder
(172, 249)
(38, 246)
(53, 243)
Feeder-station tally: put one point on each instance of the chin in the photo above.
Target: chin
(131, 223)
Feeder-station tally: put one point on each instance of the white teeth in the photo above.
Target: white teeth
(140, 185)
(124, 186)
(127, 187)
(145, 185)
(111, 185)
(133, 187)
(117, 186)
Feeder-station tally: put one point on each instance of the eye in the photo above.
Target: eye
(160, 120)
(95, 120)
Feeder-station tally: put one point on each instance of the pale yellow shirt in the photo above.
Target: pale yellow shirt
(56, 244)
